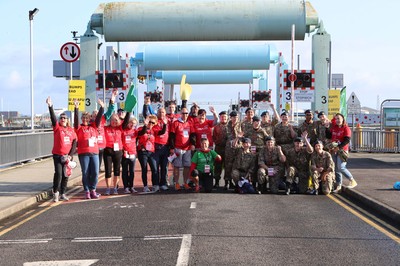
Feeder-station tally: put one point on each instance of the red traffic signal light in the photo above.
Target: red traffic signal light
(302, 80)
(113, 80)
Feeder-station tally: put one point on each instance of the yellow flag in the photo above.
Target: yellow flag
(186, 89)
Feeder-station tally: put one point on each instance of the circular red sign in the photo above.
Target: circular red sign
(70, 52)
(292, 77)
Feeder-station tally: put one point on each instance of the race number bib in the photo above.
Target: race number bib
(207, 169)
(116, 146)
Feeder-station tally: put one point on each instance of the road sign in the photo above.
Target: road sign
(292, 77)
(353, 104)
(70, 52)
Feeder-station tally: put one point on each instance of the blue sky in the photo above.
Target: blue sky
(364, 35)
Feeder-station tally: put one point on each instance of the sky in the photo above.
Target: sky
(364, 34)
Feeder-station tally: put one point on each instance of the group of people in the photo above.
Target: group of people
(253, 154)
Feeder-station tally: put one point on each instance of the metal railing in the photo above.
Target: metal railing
(375, 140)
(23, 147)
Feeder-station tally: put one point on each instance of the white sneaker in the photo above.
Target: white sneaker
(337, 189)
(156, 188)
(352, 183)
(127, 191)
(146, 189)
(64, 197)
(55, 196)
(133, 190)
(164, 188)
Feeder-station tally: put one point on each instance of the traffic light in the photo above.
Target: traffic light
(155, 96)
(244, 103)
(303, 80)
(113, 80)
(261, 96)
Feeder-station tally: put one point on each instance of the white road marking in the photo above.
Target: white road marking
(25, 241)
(61, 263)
(184, 252)
(97, 239)
(163, 237)
(193, 205)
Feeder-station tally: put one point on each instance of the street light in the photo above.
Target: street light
(32, 13)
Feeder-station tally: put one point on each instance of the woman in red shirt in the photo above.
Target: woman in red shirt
(340, 135)
(88, 150)
(203, 127)
(129, 135)
(146, 149)
(63, 149)
(162, 150)
(113, 151)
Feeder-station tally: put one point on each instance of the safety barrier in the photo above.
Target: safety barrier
(23, 147)
(375, 140)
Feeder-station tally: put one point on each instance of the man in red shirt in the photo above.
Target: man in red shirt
(182, 141)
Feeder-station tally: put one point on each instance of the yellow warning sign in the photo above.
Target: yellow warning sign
(333, 103)
(76, 90)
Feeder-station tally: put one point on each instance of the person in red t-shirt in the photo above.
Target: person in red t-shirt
(129, 136)
(340, 135)
(146, 148)
(203, 127)
(182, 141)
(88, 150)
(113, 151)
(63, 148)
(162, 150)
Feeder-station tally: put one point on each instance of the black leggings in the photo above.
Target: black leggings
(112, 161)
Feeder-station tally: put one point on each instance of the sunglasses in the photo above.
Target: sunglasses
(185, 113)
(151, 122)
(63, 117)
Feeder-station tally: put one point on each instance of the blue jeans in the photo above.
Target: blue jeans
(161, 158)
(146, 157)
(340, 169)
(90, 170)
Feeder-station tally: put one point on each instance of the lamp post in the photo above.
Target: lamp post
(32, 13)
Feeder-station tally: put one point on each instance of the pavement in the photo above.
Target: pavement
(24, 185)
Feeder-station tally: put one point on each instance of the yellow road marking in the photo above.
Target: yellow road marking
(368, 221)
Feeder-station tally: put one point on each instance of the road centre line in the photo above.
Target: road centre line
(193, 205)
(368, 221)
(25, 241)
(97, 239)
(162, 237)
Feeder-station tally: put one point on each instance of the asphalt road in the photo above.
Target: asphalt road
(197, 229)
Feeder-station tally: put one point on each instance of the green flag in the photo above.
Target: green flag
(131, 100)
(343, 102)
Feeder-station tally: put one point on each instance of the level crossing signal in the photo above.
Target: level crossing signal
(303, 80)
(113, 80)
(261, 96)
(155, 96)
(244, 103)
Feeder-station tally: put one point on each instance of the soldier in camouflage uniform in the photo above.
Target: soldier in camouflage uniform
(271, 166)
(232, 131)
(298, 164)
(284, 133)
(244, 162)
(323, 169)
(310, 126)
(220, 138)
(323, 125)
(256, 134)
(267, 123)
(247, 123)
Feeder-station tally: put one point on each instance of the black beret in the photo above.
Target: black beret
(248, 109)
(298, 139)
(308, 111)
(246, 140)
(321, 113)
(284, 113)
(264, 113)
(267, 138)
(233, 113)
(256, 119)
(222, 113)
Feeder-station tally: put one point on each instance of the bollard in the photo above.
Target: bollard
(389, 138)
(358, 136)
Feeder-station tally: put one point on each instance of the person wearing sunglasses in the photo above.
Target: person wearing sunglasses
(146, 148)
(182, 139)
(64, 146)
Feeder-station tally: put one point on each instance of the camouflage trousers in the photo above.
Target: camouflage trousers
(273, 180)
(300, 177)
(326, 186)
(219, 166)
